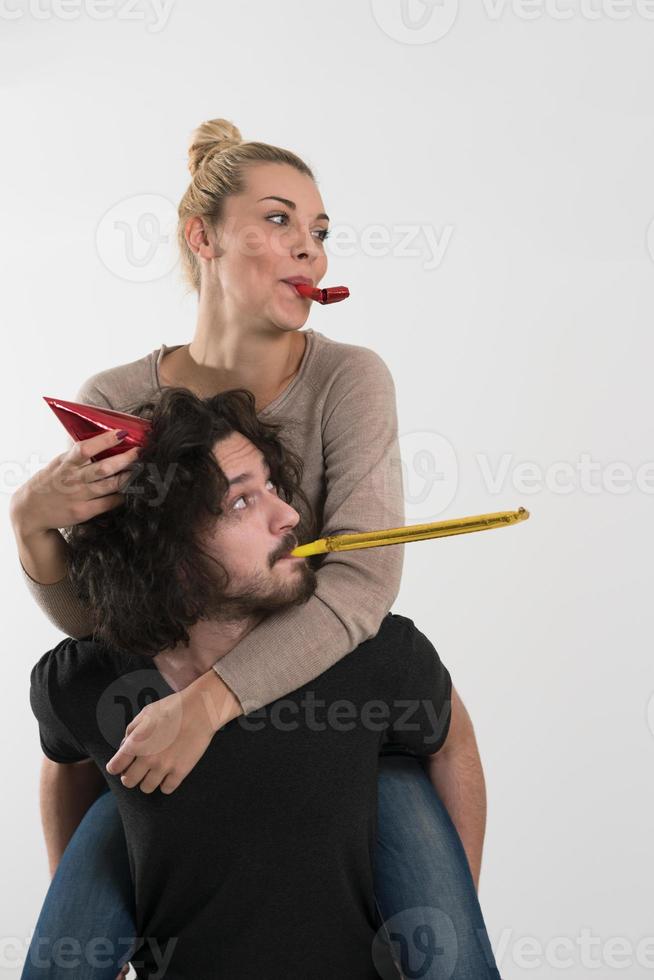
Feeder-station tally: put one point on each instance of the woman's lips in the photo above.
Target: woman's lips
(329, 294)
(291, 285)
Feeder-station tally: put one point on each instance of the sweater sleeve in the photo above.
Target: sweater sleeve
(58, 600)
(355, 589)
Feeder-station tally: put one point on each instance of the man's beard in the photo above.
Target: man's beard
(263, 594)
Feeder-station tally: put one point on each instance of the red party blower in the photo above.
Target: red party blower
(84, 421)
(331, 294)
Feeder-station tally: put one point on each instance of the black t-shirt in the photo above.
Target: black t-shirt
(260, 865)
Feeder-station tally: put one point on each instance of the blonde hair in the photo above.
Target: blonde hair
(217, 160)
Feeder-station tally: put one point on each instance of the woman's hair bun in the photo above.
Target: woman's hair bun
(209, 138)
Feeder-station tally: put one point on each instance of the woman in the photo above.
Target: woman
(251, 219)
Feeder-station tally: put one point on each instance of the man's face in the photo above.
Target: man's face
(252, 534)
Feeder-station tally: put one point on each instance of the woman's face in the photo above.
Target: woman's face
(261, 241)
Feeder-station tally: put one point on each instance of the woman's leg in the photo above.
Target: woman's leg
(86, 926)
(425, 893)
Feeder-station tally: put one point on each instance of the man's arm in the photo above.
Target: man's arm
(67, 790)
(456, 773)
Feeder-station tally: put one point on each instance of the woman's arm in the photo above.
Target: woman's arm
(355, 589)
(69, 490)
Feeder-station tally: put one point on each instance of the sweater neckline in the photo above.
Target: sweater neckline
(277, 402)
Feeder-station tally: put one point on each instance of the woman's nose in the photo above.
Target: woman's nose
(304, 244)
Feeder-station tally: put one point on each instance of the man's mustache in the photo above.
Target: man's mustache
(289, 543)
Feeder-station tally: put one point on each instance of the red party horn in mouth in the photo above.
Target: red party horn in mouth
(85, 421)
(331, 294)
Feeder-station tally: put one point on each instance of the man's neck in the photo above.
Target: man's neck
(210, 640)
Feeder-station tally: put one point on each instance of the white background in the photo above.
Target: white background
(522, 139)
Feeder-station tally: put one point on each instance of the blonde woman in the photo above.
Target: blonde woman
(251, 219)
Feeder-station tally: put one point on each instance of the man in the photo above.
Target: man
(260, 864)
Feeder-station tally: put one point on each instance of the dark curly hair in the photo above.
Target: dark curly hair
(140, 567)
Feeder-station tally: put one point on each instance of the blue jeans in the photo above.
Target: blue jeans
(429, 919)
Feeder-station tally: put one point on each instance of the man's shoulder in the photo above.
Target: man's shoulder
(383, 654)
(69, 663)
(395, 630)
(399, 648)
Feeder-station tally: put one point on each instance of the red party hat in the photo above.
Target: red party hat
(84, 421)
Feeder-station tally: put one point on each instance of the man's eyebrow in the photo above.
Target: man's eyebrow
(246, 477)
(289, 204)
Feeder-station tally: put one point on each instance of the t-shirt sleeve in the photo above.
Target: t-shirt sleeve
(421, 708)
(355, 589)
(47, 679)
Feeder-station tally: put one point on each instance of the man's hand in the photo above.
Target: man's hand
(168, 737)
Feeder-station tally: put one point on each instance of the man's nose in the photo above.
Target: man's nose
(284, 516)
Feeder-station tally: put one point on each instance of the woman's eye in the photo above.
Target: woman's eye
(323, 233)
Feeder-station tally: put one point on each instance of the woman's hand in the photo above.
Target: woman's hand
(168, 737)
(71, 488)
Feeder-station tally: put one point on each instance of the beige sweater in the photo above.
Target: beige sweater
(339, 414)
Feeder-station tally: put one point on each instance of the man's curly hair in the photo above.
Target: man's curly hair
(140, 567)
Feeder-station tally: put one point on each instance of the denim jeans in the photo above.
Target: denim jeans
(430, 924)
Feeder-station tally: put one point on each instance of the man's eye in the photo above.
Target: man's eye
(245, 497)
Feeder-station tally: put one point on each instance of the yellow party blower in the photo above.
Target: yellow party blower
(413, 532)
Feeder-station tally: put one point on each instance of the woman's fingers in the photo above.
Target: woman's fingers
(108, 475)
(82, 450)
(133, 775)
